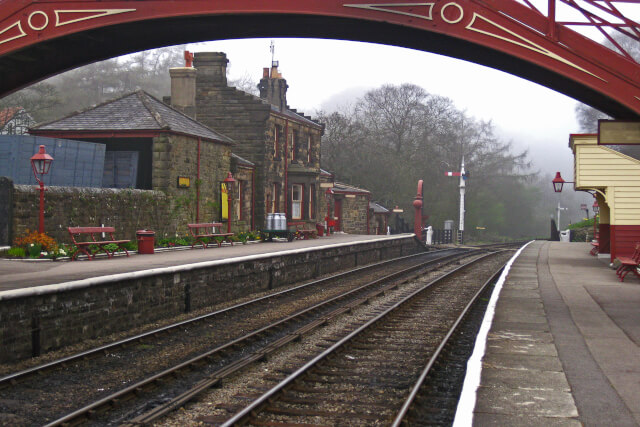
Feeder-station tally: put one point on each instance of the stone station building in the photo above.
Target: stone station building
(283, 144)
(168, 153)
(151, 146)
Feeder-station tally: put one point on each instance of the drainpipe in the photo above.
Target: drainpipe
(417, 219)
(198, 185)
(253, 199)
(286, 160)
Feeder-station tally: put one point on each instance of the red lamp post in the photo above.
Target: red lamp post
(229, 181)
(41, 163)
(329, 218)
(596, 211)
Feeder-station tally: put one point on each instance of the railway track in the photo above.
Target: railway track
(118, 381)
(373, 375)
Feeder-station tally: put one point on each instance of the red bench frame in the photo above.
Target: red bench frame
(629, 264)
(198, 236)
(84, 246)
(596, 245)
(302, 233)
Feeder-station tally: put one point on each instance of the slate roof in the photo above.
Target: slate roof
(378, 208)
(241, 161)
(134, 111)
(294, 115)
(340, 187)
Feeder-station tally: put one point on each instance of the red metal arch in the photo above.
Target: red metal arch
(41, 38)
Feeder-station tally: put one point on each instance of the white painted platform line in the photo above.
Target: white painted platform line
(467, 402)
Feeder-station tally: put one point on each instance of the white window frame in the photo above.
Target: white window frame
(296, 204)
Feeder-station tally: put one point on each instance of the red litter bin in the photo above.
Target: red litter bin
(146, 240)
(320, 228)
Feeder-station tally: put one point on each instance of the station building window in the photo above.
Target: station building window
(296, 201)
(277, 135)
(312, 198)
(239, 194)
(275, 194)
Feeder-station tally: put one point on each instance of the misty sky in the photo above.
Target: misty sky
(324, 74)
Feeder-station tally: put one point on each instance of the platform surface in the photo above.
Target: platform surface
(24, 274)
(564, 345)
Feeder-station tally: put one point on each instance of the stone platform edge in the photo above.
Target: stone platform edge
(39, 319)
(113, 278)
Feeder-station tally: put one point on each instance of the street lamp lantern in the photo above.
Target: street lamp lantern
(41, 163)
(558, 182)
(596, 208)
(229, 180)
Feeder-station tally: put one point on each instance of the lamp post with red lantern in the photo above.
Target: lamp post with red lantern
(229, 180)
(41, 163)
(558, 183)
(596, 211)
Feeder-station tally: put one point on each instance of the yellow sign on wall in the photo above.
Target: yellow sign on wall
(225, 200)
(184, 182)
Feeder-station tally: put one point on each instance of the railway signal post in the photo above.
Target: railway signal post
(463, 178)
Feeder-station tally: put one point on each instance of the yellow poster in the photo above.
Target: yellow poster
(225, 201)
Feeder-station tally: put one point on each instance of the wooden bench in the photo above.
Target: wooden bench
(83, 246)
(629, 264)
(302, 233)
(209, 233)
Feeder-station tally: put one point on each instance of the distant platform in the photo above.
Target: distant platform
(17, 274)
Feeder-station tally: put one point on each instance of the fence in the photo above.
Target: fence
(75, 164)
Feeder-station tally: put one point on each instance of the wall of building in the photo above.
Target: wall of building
(82, 310)
(236, 114)
(244, 175)
(127, 210)
(618, 175)
(255, 127)
(175, 156)
(354, 214)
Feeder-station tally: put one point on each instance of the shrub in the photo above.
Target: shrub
(34, 250)
(15, 252)
(34, 238)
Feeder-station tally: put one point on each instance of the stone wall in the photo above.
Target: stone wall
(6, 213)
(175, 156)
(37, 320)
(127, 210)
(245, 176)
(354, 214)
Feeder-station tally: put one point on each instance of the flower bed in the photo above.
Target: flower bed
(34, 245)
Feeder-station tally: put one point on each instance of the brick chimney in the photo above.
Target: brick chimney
(273, 87)
(183, 90)
(212, 68)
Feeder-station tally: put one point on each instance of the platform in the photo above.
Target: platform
(17, 274)
(563, 347)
